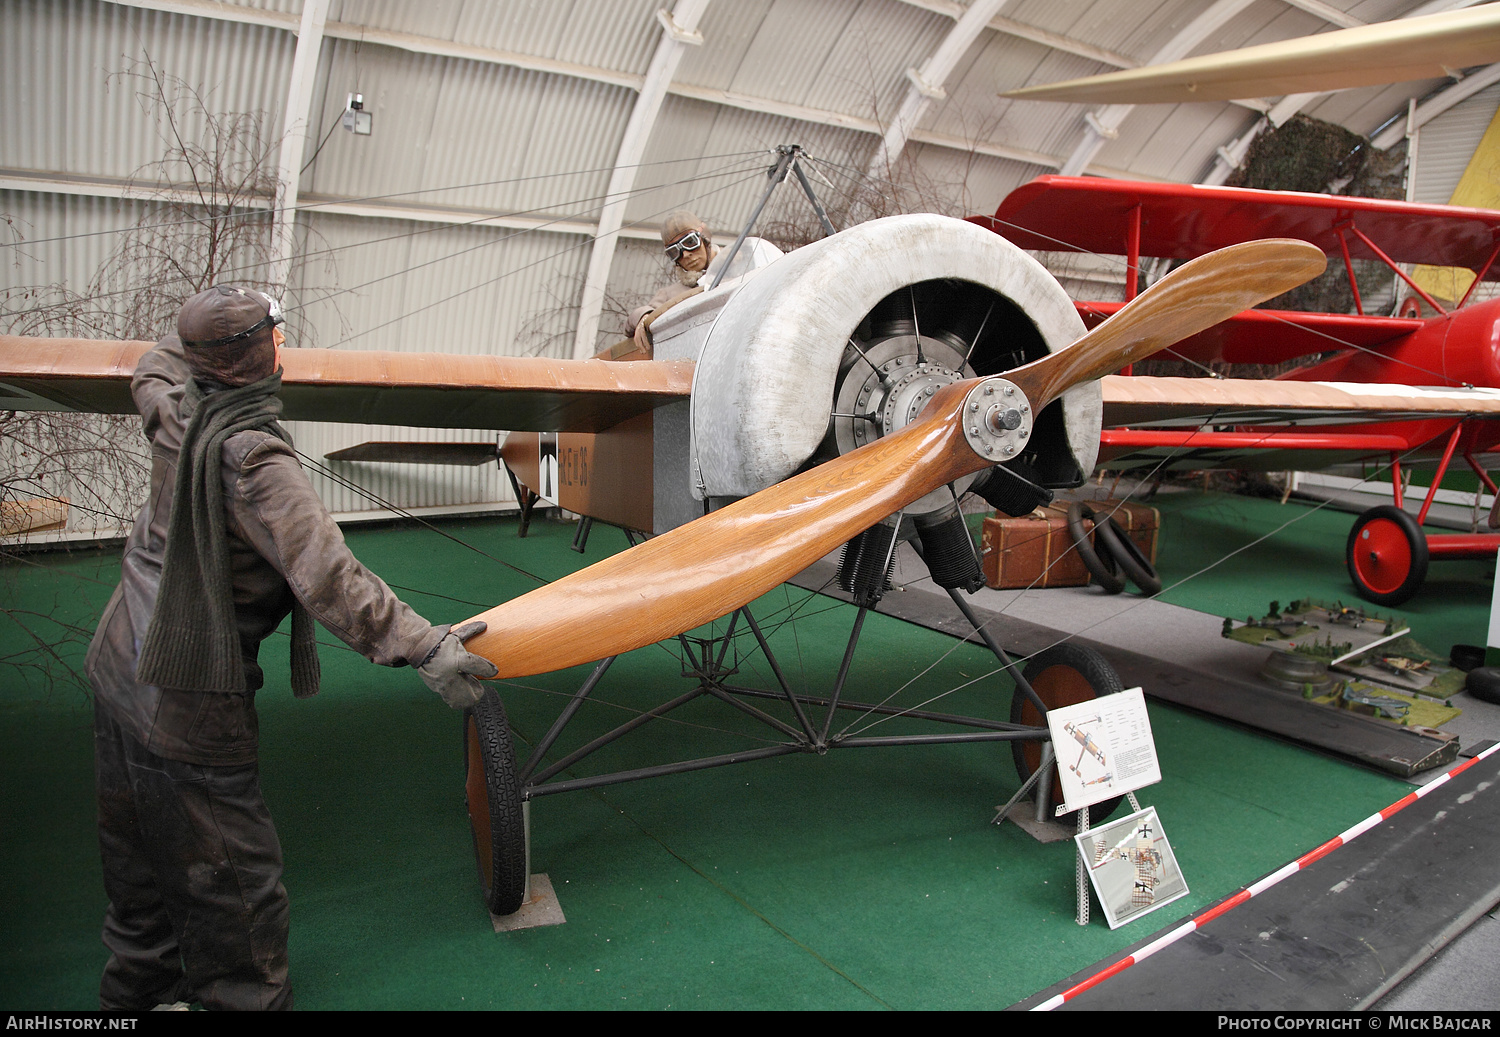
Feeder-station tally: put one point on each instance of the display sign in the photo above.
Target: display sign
(1131, 866)
(1103, 747)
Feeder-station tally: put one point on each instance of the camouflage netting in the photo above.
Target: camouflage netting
(1305, 154)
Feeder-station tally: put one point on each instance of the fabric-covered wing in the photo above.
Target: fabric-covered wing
(1195, 423)
(1430, 47)
(427, 390)
(1181, 221)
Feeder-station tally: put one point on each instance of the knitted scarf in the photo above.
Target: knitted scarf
(193, 642)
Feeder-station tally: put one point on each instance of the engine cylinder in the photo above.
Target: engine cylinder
(948, 550)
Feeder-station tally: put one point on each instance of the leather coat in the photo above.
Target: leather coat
(282, 543)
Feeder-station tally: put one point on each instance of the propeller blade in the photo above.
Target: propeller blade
(709, 567)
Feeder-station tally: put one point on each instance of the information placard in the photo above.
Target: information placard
(1131, 866)
(1104, 748)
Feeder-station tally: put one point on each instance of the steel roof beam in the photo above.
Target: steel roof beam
(926, 84)
(294, 127)
(679, 30)
(1021, 30)
(1103, 124)
(446, 48)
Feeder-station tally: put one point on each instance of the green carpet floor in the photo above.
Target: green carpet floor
(1253, 551)
(863, 879)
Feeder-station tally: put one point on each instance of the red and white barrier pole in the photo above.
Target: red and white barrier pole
(1194, 924)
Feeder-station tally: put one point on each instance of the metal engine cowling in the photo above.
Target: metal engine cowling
(870, 322)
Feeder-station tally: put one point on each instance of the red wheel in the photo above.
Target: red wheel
(1386, 555)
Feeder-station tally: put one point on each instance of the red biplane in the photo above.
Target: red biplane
(1401, 390)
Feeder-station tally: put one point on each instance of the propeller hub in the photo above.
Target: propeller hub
(997, 419)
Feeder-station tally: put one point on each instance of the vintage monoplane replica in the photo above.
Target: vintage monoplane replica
(846, 393)
(1417, 388)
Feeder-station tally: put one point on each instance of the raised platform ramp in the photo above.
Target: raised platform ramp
(1341, 932)
(1346, 930)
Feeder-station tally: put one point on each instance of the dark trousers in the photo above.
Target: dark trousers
(192, 867)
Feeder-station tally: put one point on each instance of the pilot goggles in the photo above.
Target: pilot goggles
(687, 243)
(272, 318)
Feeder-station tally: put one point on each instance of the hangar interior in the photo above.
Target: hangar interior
(491, 179)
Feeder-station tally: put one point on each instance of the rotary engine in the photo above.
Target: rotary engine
(846, 340)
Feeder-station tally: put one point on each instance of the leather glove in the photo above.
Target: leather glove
(450, 671)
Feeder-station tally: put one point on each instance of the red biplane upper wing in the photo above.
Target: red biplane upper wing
(427, 390)
(1182, 221)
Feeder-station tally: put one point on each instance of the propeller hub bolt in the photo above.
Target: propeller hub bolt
(1003, 419)
(1006, 425)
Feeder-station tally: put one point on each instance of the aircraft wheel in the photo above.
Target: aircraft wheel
(1100, 566)
(1062, 675)
(496, 817)
(1386, 555)
(1110, 538)
(1483, 683)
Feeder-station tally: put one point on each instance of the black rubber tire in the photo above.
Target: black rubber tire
(1386, 555)
(1483, 683)
(1110, 538)
(1101, 569)
(1062, 675)
(1466, 657)
(493, 794)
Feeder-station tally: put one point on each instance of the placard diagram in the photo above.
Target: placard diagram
(1104, 748)
(1131, 866)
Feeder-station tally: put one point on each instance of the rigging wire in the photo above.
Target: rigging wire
(416, 232)
(271, 210)
(1132, 606)
(1124, 266)
(405, 314)
(1340, 343)
(584, 242)
(395, 509)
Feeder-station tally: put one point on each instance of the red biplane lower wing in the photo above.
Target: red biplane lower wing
(1182, 221)
(426, 390)
(1199, 423)
(1272, 336)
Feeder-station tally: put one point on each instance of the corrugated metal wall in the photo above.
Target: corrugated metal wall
(1447, 143)
(530, 125)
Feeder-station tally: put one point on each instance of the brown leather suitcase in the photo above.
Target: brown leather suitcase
(1036, 550)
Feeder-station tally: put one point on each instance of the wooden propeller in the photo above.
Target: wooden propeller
(711, 566)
